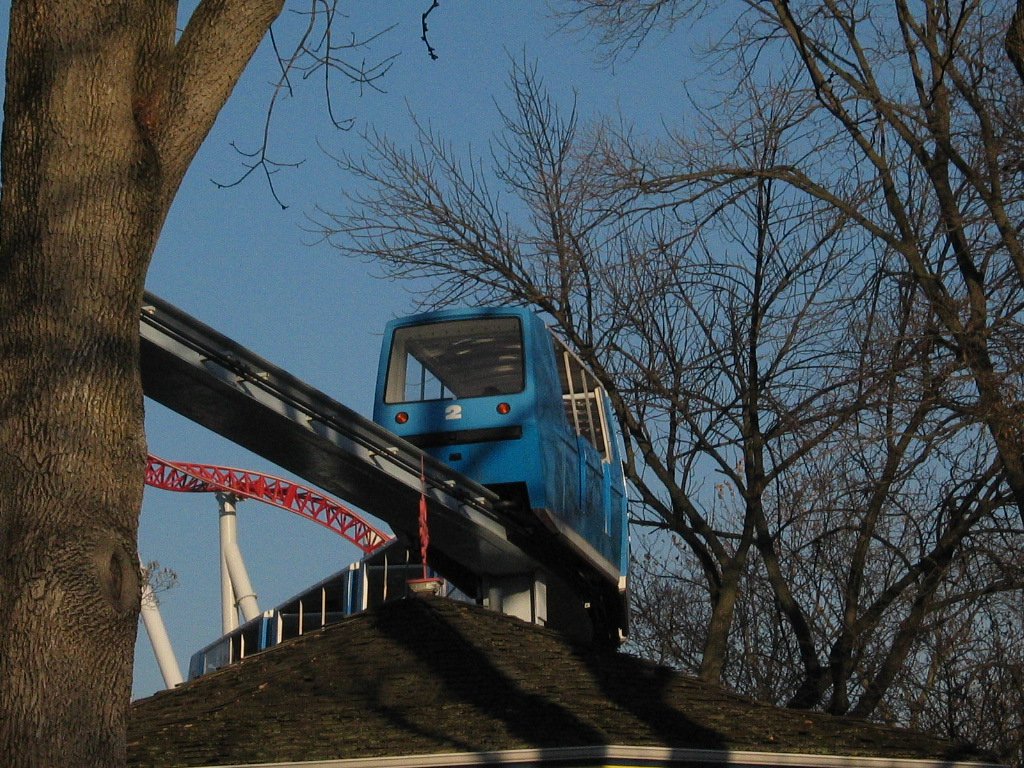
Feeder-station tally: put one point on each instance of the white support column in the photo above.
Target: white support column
(159, 639)
(228, 603)
(523, 596)
(231, 555)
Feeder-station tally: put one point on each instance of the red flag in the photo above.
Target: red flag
(424, 530)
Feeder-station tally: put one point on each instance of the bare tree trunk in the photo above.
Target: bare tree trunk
(78, 223)
(101, 121)
(1015, 39)
(723, 609)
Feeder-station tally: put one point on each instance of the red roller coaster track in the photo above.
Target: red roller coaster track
(186, 477)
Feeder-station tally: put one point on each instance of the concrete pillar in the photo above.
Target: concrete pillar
(231, 556)
(524, 596)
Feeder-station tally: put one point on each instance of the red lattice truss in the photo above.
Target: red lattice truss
(186, 477)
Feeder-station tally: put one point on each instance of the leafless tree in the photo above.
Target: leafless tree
(797, 413)
(914, 112)
(968, 680)
(715, 362)
(911, 104)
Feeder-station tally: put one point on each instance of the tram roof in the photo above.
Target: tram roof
(436, 682)
(466, 313)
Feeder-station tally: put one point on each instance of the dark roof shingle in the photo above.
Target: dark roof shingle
(423, 676)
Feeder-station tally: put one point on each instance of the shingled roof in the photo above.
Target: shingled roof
(426, 676)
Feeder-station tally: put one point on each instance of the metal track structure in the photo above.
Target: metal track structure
(189, 477)
(475, 536)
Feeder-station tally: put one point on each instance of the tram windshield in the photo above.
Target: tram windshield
(455, 359)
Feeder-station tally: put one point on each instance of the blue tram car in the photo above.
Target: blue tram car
(494, 394)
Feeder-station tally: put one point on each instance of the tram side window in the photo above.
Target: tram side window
(583, 399)
(455, 359)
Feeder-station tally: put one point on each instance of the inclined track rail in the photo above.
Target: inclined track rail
(205, 376)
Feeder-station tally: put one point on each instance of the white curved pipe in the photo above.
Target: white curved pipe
(159, 639)
(228, 605)
(231, 555)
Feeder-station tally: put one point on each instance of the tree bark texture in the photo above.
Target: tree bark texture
(92, 156)
(1015, 39)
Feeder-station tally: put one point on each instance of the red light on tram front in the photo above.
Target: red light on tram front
(401, 417)
(504, 408)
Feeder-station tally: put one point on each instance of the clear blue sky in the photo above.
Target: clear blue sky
(237, 261)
